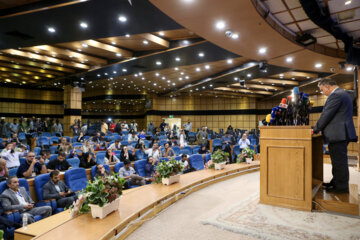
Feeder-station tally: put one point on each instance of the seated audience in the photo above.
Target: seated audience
(31, 167)
(244, 142)
(154, 152)
(128, 173)
(132, 137)
(116, 145)
(203, 150)
(87, 160)
(173, 142)
(87, 147)
(57, 189)
(142, 134)
(59, 164)
(167, 151)
(101, 147)
(17, 198)
(126, 156)
(150, 168)
(12, 157)
(64, 146)
(110, 157)
(44, 155)
(187, 166)
(98, 138)
(101, 171)
(4, 172)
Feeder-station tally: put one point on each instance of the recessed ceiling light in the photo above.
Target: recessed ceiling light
(307, 77)
(51, 29)
(122, 18)
(83, 25)
(318, 65)
(79, 50)
(177, 59)
(281, 75)
(173, 84)
(349, 69)
(142, 78)
(127, 35)
(168, 81)
(207, 66)
(229, 61)
(145, 42)
(211, 85)
(84, 45)
(105, 74)
(163, 78)
(348, 2)
(203, 87)
(98, 75)
(155, 84)
(235, 36)
(198, 69)
(182, 73)
(248, 75)
(157, 74)
(185, 42)
(176, 69)
(113, 43)
(293, 78)
(262, 50)
(180, 78)
(7, 80)
(118, 54)
(220, 25)
(236, 78)
(158, 63)
(201, 54)
(186, 77)
(161, 33)
(289, 59)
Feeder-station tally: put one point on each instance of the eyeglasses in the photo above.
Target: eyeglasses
(32, 156)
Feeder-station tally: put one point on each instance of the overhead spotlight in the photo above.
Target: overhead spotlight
(145, 42)
(83, 25)
(229, 61)
(51, 29)
(263, 66)
(122, 18)
(220, 25)
(158, 63)
(262, 50)
(201, 54)
(289, 59)
(305, 39)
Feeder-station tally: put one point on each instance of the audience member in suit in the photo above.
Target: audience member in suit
(56, 189)
(87, 160)
(337, 127)
(16, 198)
(59, 164)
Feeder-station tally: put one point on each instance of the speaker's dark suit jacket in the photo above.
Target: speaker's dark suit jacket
(336, 122)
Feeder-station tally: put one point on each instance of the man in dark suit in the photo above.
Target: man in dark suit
(337, 127)
(56, 189)
(16, 198)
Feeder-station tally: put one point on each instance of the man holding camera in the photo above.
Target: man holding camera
(31, 167)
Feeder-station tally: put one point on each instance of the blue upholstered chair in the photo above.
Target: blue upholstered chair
(76, 179)
(196, 161)
(93, 170)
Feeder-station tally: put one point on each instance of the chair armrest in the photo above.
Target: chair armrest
(10, 212)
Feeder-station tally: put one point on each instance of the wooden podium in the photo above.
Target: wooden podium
(291, 172)
(291, 163)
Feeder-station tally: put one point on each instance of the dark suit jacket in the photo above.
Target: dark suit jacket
(50, 192)
(336, 120)
(10, 202)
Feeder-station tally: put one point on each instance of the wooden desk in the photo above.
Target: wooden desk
(145, 202)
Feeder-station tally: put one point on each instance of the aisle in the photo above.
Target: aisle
(183, 219)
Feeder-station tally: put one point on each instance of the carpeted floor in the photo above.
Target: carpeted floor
(183, 220)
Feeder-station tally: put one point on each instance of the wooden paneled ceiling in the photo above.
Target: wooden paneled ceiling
(153, 55)
(291, 14)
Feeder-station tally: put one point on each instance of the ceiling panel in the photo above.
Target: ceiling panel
(299, 14)
(284, 17)
(275, 5)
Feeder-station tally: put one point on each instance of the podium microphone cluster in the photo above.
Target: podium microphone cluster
(293, 110)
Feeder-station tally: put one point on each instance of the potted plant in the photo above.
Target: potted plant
(167, 172)
(102, 196)
(219, 158)
(247, 155)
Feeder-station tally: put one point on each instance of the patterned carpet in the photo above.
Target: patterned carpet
(275, 223)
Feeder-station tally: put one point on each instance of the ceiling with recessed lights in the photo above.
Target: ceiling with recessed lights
(121, 47)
